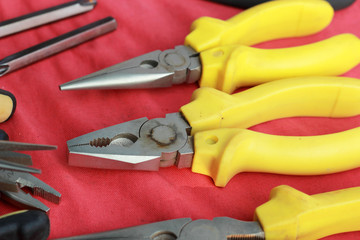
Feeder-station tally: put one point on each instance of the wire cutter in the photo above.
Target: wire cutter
(217, 52)
(15, 175)
(289, 214)
(222, 146)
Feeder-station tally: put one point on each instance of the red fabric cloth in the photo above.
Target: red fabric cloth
(97, 200)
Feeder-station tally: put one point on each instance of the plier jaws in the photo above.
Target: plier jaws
(185, 229)
(140, 144)
(22, 199)
(152, 70)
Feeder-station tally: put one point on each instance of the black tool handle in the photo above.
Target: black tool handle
(3, 135)
(25, 225)
(337, 4)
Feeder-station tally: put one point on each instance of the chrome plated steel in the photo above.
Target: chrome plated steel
(140, 144)
(152, 70)
(45, 16)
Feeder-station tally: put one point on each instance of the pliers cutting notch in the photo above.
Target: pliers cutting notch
(15, 177)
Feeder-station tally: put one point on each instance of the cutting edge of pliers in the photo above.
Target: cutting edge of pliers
(22, 199)
(15, 177)
(139, 144)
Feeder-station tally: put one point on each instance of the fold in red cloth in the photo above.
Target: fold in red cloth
(97, 200)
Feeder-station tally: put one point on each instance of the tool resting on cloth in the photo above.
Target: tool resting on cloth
(217, 52)
(96, 200)
(336, 4)
(222, 146)
(290, 214)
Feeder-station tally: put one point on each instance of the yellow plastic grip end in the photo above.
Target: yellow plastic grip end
(230, 67)
(264, 22)
(223, 153)
(305, 96)
(6, 108)
(293, 215)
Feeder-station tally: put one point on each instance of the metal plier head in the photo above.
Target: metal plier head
(15, 175)
(22, 199)
(152, 70)
(185, 229)
(140, 144)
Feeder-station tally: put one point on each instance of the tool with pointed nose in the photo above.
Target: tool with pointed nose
(218, 54)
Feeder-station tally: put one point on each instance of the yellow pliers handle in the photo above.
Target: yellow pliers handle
(293, 215)
(264, 22)
(229, 63)
(229, 67)
(229, 148)
(7, 105)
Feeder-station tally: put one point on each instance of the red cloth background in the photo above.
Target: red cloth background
(98, 200)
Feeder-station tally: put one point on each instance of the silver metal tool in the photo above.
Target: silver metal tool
(140, 144)
(56, 45)
(15, 175)
(17, 167)
(152, 70)
(16, 157)
(184, 229)
(45, 16)
(22, 199)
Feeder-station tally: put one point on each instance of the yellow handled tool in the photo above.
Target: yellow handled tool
(217, 52)
(222, 145)
(290, 214)
(7, 106)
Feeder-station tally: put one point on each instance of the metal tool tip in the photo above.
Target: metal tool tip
(88, 2)
(3, 70)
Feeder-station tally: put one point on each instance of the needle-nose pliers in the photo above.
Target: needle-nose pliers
(217, 53)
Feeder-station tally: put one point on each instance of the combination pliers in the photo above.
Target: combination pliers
(290, 214)
(217, 53)
(15, 175)
(209, 134)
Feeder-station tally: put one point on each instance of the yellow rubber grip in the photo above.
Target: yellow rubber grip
(7, 106)
(293, 215)
(230, 67)
(223, 153)
(303, 96)
(264, 22)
